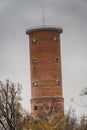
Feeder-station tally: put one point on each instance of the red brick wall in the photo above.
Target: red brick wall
(45, 71)
(57, 103)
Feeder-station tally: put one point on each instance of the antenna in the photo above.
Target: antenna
(43, 18)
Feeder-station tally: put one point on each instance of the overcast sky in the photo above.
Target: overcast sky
(71, 15)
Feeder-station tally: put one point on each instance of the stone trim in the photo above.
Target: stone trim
(48, 98)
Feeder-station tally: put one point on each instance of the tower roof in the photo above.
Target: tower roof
(46, 27)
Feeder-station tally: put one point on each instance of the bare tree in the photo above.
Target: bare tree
(83, 122)
(83, 92)
(70, 120)
(10, 106)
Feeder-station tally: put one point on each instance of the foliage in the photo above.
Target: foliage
(32, 123)
(67, 122)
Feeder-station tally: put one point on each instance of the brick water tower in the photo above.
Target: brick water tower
(45, 68)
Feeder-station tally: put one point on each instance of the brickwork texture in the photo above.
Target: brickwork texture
(45, 68)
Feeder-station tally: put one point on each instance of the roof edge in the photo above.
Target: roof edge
(46, 27)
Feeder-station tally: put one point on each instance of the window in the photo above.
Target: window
(35, 108)
(35, 84)
(34, 60)
(33, 40)
(55, 39)
(55, 59)
(57, 83)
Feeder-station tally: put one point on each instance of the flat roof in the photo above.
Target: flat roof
(45, 27)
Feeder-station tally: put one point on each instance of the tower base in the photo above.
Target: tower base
(47, 107)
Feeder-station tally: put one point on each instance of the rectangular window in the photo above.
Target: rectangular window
(57, 83)
(55, 59)
(33, 40)
(34, 60)
(35, 84)
(55, 39)
(35, 108)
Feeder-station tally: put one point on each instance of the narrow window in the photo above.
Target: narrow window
(34, 60)
(35, 108)
(33, 40)
(35, 84)
(57, 83)
(55, 39)
(55, 59)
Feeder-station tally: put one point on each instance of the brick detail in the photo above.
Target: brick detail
(45, 71)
